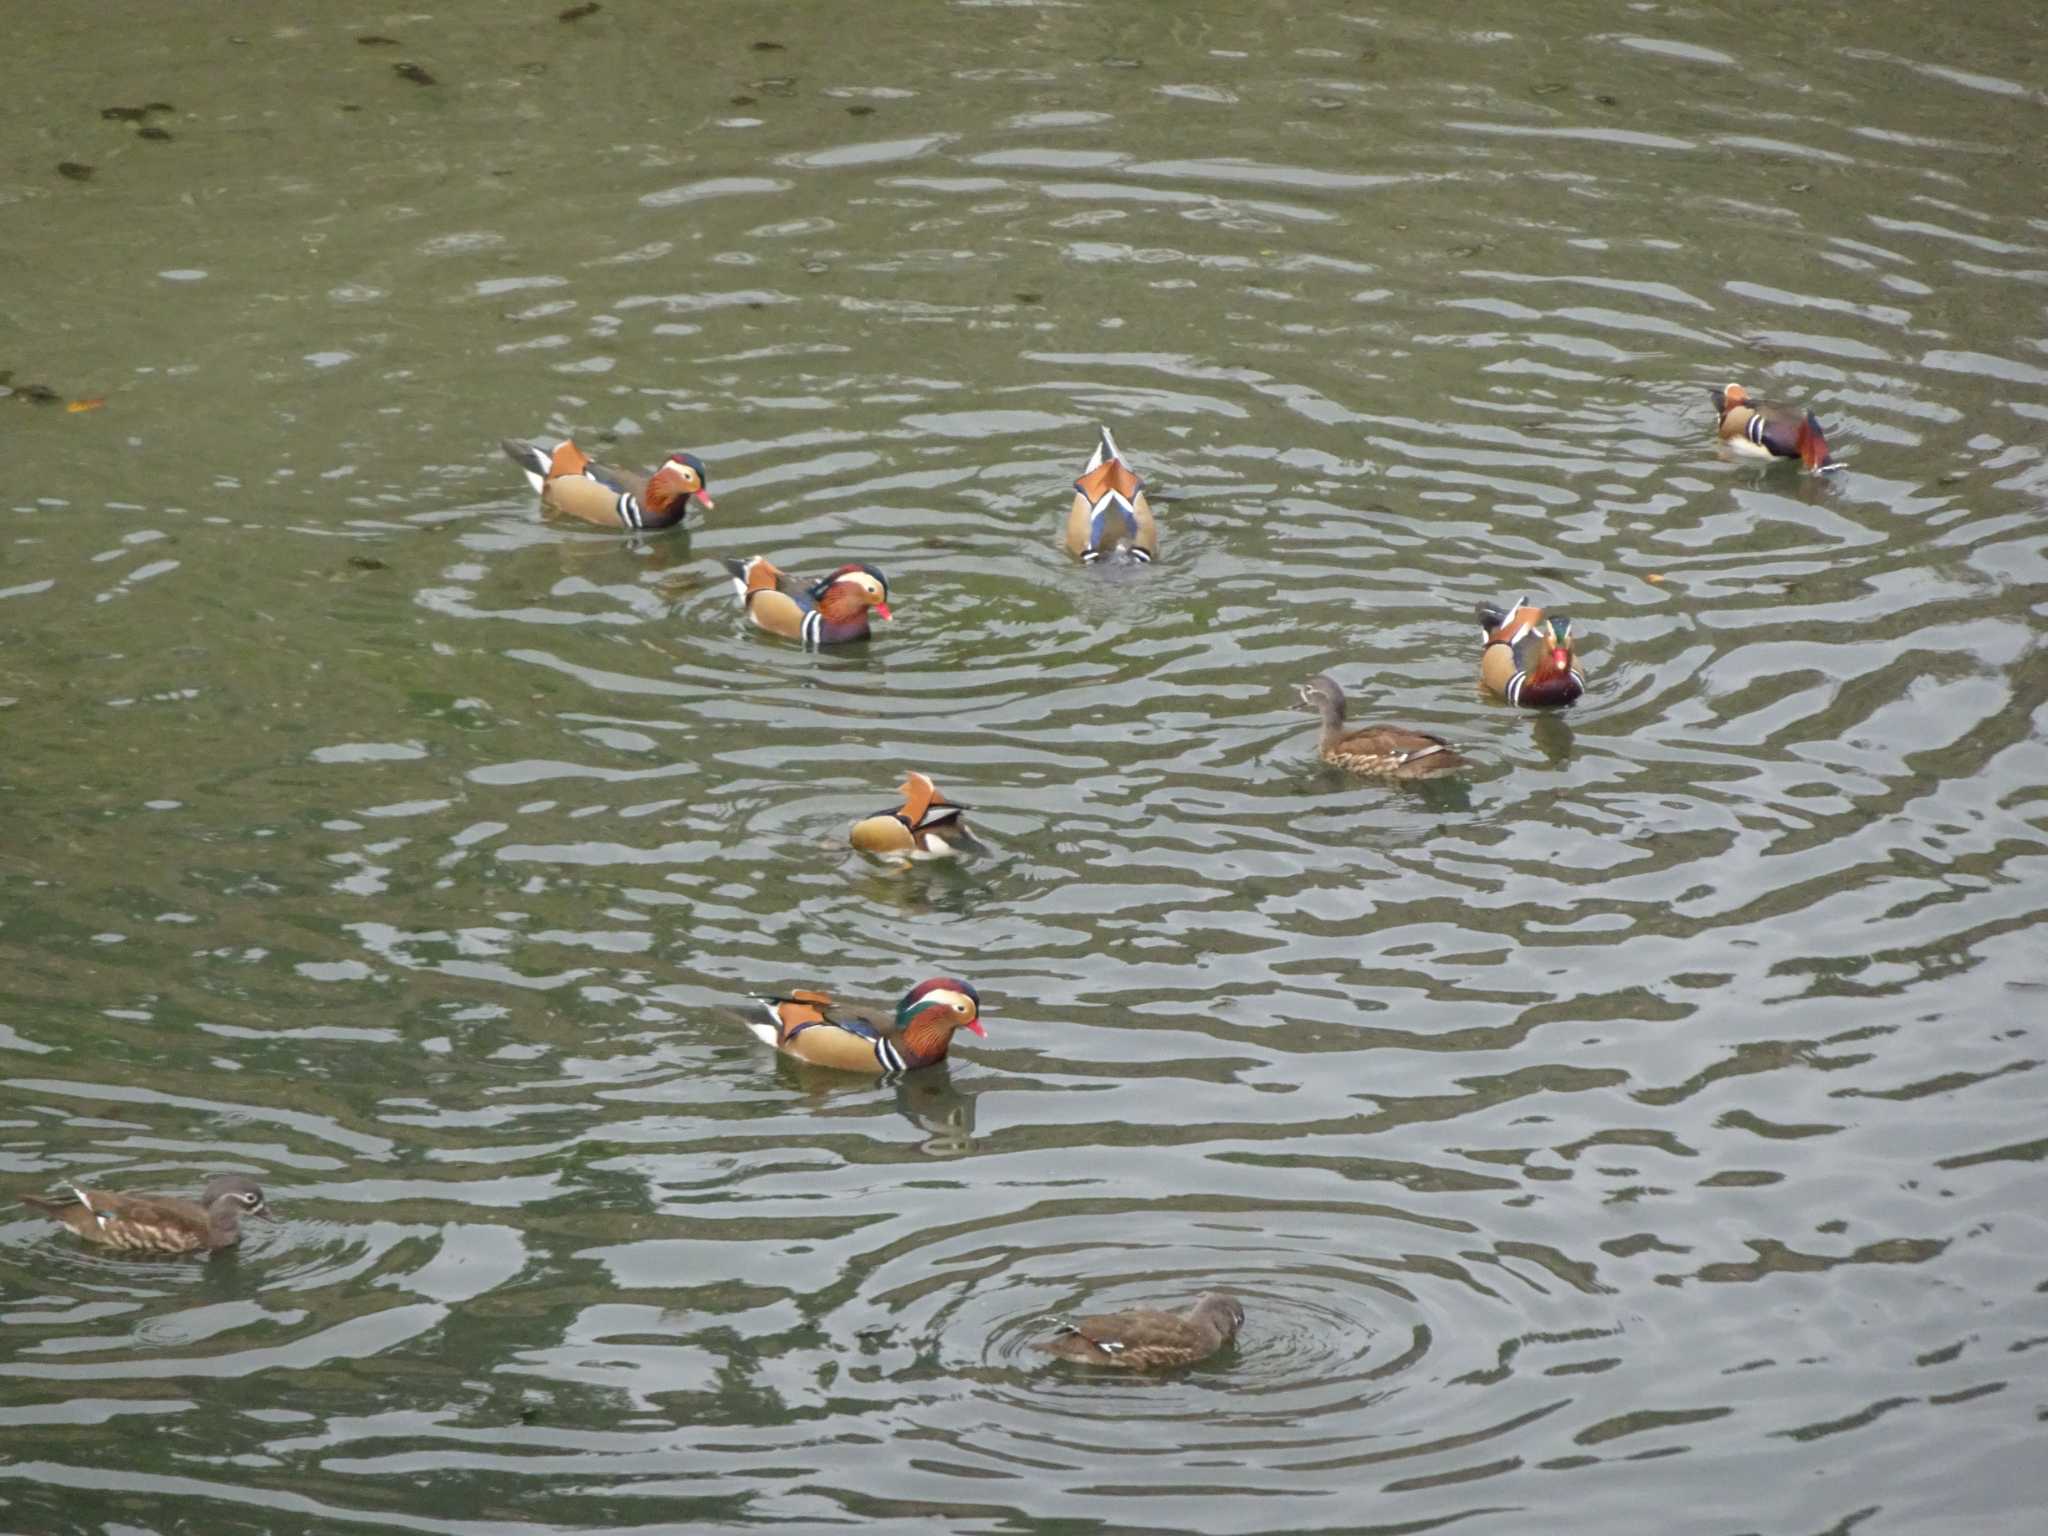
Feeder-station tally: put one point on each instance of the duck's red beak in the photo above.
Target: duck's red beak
(883, 610)
(705, 497)
(975, 1025)
(1560, 658)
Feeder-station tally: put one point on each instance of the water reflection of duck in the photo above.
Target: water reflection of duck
(830, 611)
(937, 1106)
(1110, 515)
(1760, 429)
(569, 482)
(1379, 751)
(1528, 657)
(799, 1025)
(160, 1223)
(1147, 1340)
(926, 826)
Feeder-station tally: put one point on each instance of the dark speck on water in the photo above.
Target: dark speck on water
(124, 114)
(36, 394)
(152, 132)
(366, 563)
(373, 40)
(578, 12)
(859, 109)
(741, 101)
(407, 70)
(158, 106)
(74, 170)
(765, 46)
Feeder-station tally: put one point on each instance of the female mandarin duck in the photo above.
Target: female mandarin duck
(1110, 513)
(1528, 658)
(1380, 751)
(832, 611)
(926, 826)
(569, 483)
(1143, 1339)
(1757, 429)
(799, 1025)
(160, 1223)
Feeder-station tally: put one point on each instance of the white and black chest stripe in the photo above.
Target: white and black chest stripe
(812, 630)
(630, 512)
(887, 1054)
(1514, 688)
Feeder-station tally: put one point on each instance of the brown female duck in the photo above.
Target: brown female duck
(160, 1223)
(1377, 751)
(1146, 1340)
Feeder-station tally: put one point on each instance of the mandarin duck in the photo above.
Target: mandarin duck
(1527, 658)
(830, 611)
(1757, 429)
(926, 826)
(568, 482)
(1110, 513)
(1378, 751)
(799, 1025)
(1146, 1340)
(160, 1223)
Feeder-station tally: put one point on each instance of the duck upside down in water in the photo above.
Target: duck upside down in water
(1110, 517)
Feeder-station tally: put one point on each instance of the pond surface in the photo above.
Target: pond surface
(1640, 1133)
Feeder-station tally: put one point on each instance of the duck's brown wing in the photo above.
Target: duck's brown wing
(1134, 1340)
(1394, 751)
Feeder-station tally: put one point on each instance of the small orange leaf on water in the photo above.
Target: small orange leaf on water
(90, 403)
(1653, 577)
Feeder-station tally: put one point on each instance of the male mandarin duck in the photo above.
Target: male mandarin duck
(568, 482)
(1110, 512)
(1143, 1339)
(926, 826)
(160, 1223)
(831, 611)
(799, 1025)
(1528, 658)
(1380, 751)
(1757, 429)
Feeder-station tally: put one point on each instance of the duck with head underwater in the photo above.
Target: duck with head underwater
(830, 611)
(801, 1024)
(1110, 518)
(569, 483)
(1528, 657)
(1760, 429)
(1146, 1339)
(926, 826)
